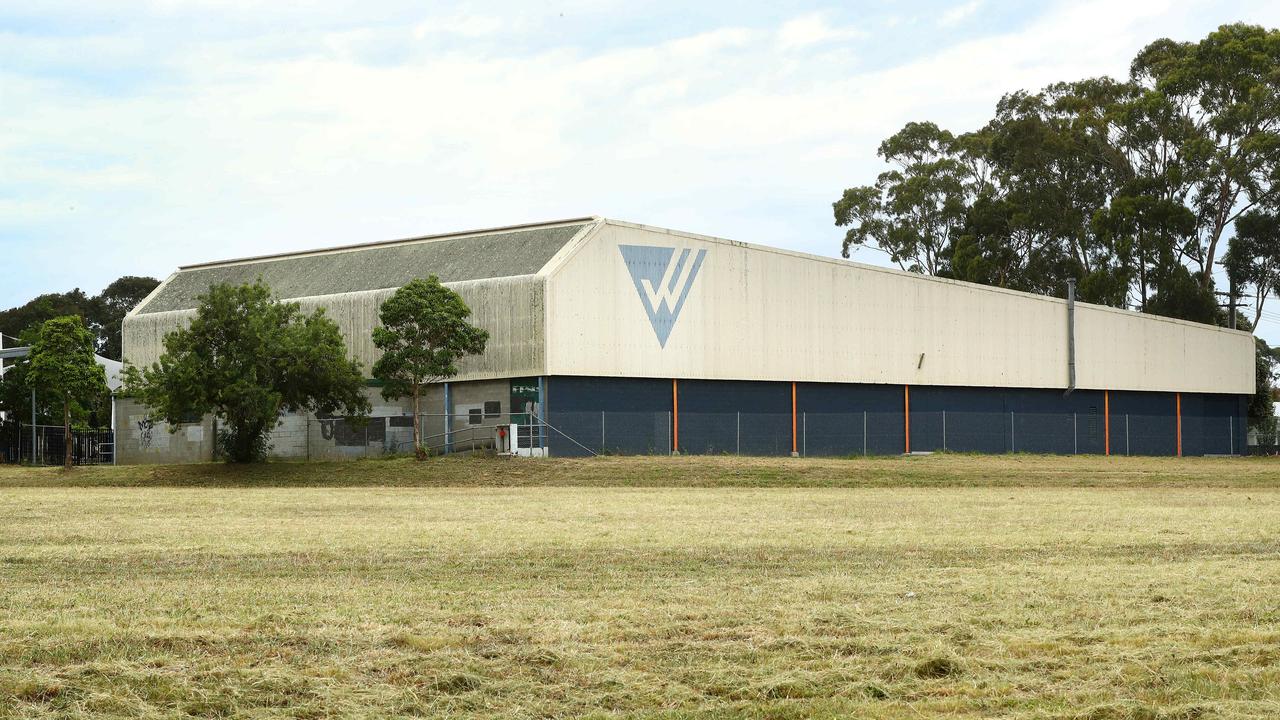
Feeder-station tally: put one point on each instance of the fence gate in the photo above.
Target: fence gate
(89, 447)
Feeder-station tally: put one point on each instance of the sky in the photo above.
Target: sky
(136, 137)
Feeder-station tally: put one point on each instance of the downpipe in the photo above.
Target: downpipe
(1071, 337)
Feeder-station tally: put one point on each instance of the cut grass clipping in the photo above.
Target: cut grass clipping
(1034, 595)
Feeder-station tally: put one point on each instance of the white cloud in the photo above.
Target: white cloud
(294, 138)
(813, 29)
(959, 13)
(466, 26)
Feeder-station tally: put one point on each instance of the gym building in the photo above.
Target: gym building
(612, 337)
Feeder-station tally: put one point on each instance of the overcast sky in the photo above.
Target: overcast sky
(135, 137)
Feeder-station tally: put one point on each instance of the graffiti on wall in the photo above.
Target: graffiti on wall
(145, 427)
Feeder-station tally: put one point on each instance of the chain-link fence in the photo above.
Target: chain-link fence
(880, 433)
(313, 438)
(1265, 443)
(721, 433)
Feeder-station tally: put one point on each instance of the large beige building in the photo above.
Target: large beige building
(625, 337)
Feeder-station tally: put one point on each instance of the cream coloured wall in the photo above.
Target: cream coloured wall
(755, 313)
(510, 308)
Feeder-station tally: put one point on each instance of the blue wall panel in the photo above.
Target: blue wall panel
(727, 417)
(1223, 429)
(633, 416)
(1047, 421)
(1144, 423)
(958, 419)
(608, 415)
(845, 419)
(997, 420)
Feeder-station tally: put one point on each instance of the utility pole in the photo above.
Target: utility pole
(1231, 304)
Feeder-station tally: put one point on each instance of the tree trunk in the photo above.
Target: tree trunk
(1225, 202)
(417, 429)
(66, 432)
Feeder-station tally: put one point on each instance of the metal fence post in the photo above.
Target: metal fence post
(737, 438)
(1012, 444)
(601, 431)
(669, 448)
(944, 430)
(1126, 433)
(1075, 435)
(864, 433)
(542, 412)
(804, 434)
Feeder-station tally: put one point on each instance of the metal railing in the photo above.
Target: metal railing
(48, 446)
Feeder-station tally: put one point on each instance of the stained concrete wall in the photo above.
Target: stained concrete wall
(757, 313)
(303, 436)
(510, 309)
(141, 440)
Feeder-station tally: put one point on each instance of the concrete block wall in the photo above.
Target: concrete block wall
(289, 438)
(141, 440)
(303, 436)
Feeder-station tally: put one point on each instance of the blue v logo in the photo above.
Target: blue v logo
(662, 276)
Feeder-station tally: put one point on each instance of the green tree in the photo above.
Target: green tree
(62, 363)
(1180, 295)
(1225, 94)
(1262, 415)
(246, 358)
(1253, 258)
(911, 212)
(15, 395)
(102, 313)
(1126, 185)
(108, 308)
(29, 316)
(1052, 169)
(424, 333)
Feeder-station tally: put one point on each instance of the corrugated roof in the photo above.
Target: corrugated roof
(504, 252)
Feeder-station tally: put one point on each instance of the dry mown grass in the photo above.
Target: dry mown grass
(1037, 600)
(691, 471)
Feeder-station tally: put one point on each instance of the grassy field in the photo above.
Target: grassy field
(944, 586)
(940, 470)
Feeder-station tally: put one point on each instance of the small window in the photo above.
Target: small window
(492, 409)
(475, 416)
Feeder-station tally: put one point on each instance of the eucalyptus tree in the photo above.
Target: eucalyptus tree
(912, 211)
(1219, 101)
(424, 333)
(1252, 261)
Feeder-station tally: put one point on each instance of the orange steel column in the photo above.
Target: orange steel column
(675, 418)
(906, 415)
(1106, 418)
(793, 418)
(1179, 424)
